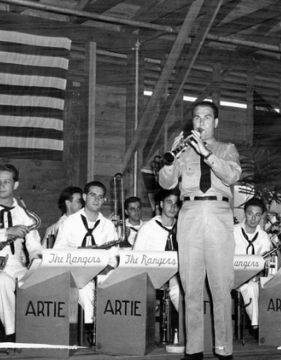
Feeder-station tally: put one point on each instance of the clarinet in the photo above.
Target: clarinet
(164, 312)
(104, 246)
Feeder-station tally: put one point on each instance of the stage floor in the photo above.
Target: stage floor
(251, 350)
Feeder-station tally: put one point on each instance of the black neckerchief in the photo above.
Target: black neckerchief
(250, 241)
(89, 231)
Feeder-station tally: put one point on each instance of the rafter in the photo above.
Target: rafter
(100, 6)
(148, 118)
(160, 8)
(249, 20)
(182, 75)
(225, 10)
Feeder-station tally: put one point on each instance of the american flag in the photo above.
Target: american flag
(33, 73)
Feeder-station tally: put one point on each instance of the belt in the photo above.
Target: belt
(188, 198)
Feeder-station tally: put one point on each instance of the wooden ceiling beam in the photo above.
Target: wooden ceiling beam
(249, 20)
(148, 118)
(81, 4)
(160, 8)
(89, 15)
(100, 6)
(226, 9)
(182, 75)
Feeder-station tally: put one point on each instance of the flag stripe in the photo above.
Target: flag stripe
(32, 101)
(32, 80)
(32, 70)
(21, 142)
(27, 121)
(30, 39)
(30, 111)
(31, 90)
(12, 131)
(33, 73)
(31, 50)
(40, 154)
(16, 58)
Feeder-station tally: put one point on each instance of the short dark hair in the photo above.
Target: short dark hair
(130, 200)
(164, 193)
(254, 201)
(12, 169)
(67, 194)
(210, 104)
(94, 183)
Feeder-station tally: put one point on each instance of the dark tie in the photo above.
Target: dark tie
(205, 179)
(7, 209)
(89, 233)
(132, 228)
(171, 243)
(250, 242)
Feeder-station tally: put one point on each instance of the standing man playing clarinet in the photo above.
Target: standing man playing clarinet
(207, 169)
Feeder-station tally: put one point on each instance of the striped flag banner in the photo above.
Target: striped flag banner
(33, 73)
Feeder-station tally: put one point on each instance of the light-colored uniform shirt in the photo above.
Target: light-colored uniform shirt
(72, 231)
(261, 244)
(53, 229)
(151, 236)
(225, 171)
(17, 262)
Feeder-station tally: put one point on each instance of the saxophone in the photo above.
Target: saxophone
(35, 225)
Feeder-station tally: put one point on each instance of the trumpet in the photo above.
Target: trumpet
(170, 156)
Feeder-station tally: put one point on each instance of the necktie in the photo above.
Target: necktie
(251, 245)
(205, 179)
(7, 210)
(171, 243)
(132, 228)
(89, 233)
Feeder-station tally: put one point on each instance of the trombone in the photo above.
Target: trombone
(118, 187)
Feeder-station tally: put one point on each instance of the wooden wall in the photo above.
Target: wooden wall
(42, 181)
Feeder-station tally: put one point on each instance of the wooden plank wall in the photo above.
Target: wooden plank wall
(42, 181)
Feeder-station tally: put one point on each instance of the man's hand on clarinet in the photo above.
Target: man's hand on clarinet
(17, 231)
(198, 144)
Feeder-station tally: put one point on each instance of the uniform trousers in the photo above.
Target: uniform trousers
(250, 294)
(8, 299)
(206, 247)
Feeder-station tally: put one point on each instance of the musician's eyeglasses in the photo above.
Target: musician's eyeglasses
(6, 182)
(96, 196)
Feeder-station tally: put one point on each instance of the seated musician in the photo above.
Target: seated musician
(86, 228)
(70, 201)
(158, 234)
(250, 239)
(133, 222)
(14, 224)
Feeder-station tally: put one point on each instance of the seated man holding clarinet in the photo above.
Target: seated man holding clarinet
(88, 228)
(19, 243)
(159, 234)
(250, 239)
